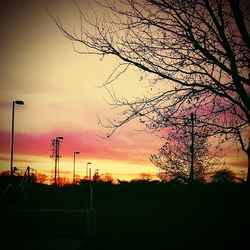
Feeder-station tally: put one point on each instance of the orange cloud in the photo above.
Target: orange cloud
(238, 164)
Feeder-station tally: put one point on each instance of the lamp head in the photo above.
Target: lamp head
(77, 153)
(59, 137)
(19, 102)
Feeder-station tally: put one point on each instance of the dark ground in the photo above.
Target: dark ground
(156, 216)
(148, 216)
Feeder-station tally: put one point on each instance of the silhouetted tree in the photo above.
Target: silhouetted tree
(174, 156)
(77, 179)
(96, 176)
(107, 177)
(85, 178)
(63, 180)
(143, 177)
(195, 53)
(163, 176)
(223, 175)
(146, 176)
(5, 173)
(41, 178)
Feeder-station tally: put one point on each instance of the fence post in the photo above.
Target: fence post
(90, 215)
(90, 223)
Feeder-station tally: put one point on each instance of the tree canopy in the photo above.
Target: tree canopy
(198, 51)
(174, 157)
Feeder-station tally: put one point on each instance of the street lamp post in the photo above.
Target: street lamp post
(12, 135)
(87, 174)
(243, 174)
(75, 153)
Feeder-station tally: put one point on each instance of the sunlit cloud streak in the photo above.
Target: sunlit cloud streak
(127, 146)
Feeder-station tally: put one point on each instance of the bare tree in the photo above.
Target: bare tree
(175, 156)
(197, 52)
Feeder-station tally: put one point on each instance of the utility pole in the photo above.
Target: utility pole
(191, 174)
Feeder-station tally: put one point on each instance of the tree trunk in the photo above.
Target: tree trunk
(248, 169)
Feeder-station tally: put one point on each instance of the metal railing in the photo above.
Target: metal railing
(27, 171)
(90, 211)
(26, 175)
(10, 199)
(6, 190)
(24, 180)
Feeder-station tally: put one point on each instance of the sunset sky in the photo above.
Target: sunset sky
(60, 90)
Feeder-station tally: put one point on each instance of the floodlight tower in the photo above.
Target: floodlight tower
(55, 143)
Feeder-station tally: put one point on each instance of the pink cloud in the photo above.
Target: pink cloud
(127, 146)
